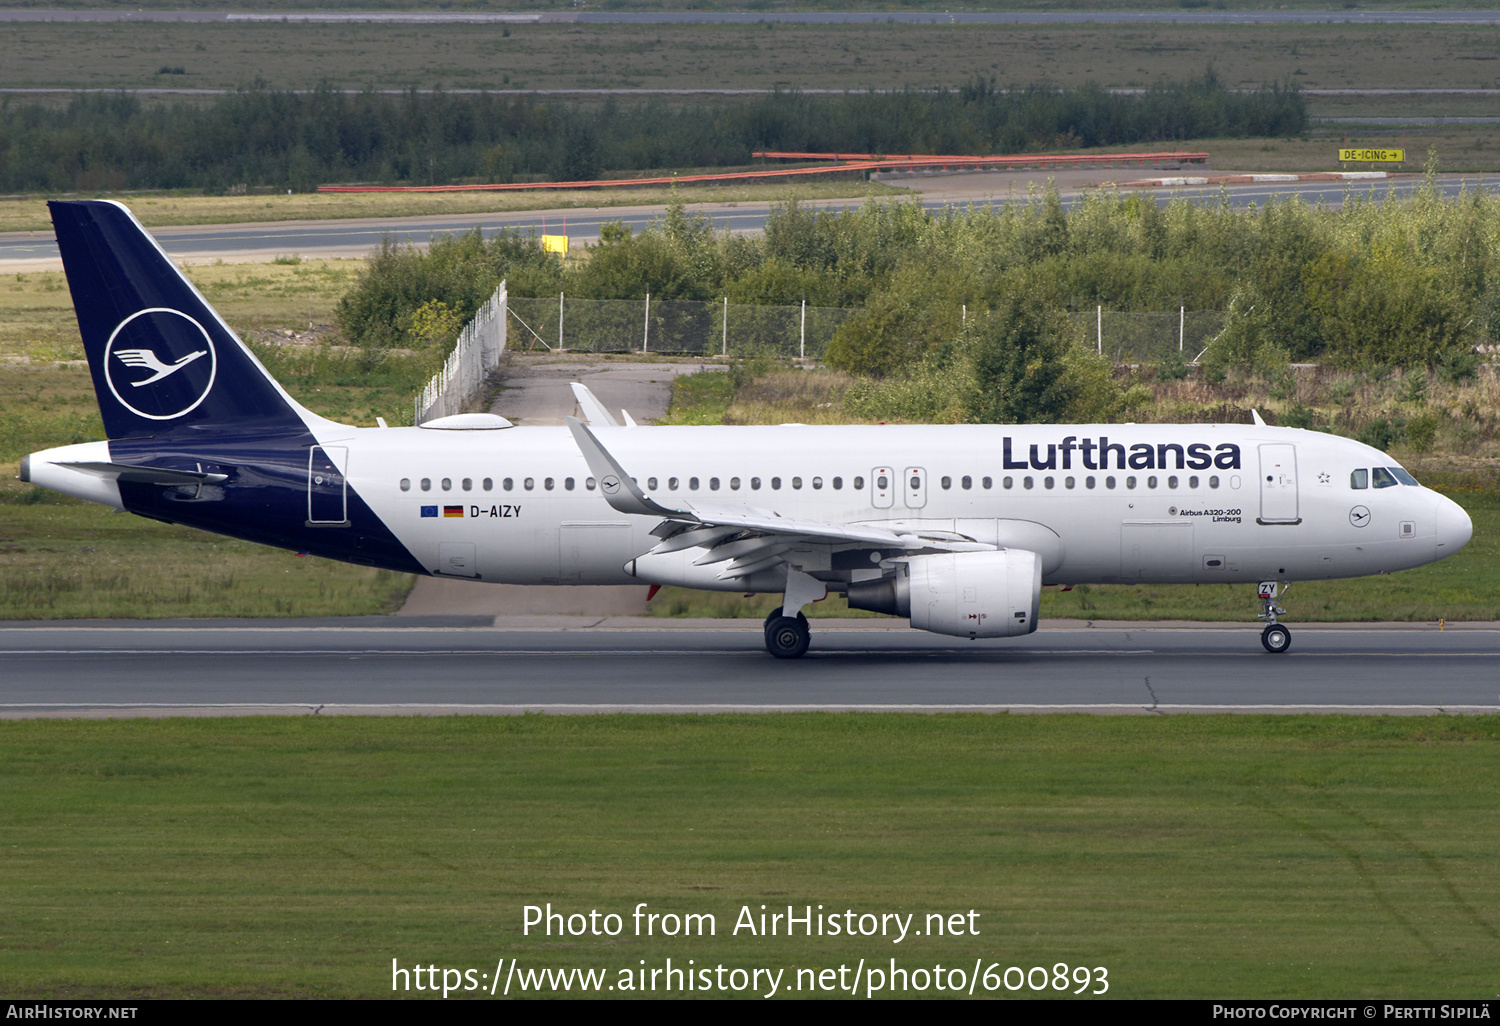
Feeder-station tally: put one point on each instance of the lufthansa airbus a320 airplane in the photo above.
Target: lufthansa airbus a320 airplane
(955, 527)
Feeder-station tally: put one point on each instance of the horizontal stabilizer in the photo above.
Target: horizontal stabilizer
(146, 475)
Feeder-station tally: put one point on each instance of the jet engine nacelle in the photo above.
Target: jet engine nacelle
(965, 594)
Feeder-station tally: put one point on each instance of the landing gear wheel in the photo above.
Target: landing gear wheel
(1276, 638)
(786, 637)
(775, 615)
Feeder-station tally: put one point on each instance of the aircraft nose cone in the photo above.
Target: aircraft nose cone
(1454, 528)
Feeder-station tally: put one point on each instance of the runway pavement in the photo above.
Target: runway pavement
(366, 667)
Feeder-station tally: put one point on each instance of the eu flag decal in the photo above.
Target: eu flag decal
(453, 511)
(429, 511)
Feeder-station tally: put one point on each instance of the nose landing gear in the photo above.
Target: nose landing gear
(1276, 638)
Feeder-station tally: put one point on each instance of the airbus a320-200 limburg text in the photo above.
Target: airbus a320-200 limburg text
(955, 527)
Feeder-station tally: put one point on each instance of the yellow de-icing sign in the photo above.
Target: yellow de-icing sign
(555, 244)
(1374, 156)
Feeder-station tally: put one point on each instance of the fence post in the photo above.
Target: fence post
(559, 321)
(1101, 329)
(802, 349)
(724, 328)
(1181, 326)
(646, 335)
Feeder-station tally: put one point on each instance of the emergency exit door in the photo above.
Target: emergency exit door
(1278, 484)
(914, 485)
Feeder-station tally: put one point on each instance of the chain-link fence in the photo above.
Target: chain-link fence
(1149, 337)
(476, 354)
(673, 326)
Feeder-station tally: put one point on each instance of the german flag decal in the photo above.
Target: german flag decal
(453, 511)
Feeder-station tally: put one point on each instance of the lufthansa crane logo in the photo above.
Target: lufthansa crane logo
(160, 363)
(609, 485)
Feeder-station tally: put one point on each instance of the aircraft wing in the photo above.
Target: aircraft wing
(748, 535)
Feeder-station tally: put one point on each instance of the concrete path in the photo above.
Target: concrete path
(536, 393)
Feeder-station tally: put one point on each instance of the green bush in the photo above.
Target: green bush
(460, 272)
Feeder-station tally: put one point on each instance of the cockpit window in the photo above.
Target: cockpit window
(1383, 478)
(1402, 476)
(1359, 478)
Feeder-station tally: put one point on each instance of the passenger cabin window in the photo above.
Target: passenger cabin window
(734, 484)
(426, 484)
(671, 484)
(947, 483)
(529, 483)
(406, 484)
(1360, 479)
(988, 483)
(468, 484)
(692, 484)
(1382, 478)
(755, 484)
(568, 483)
(651, 483)
(966, 482)
(489, 484)
(547, 484)
(776, 482)
(796, 482)
(713, 484)
(817, 483)
(448, 484)
(508, 484)
(859, 483)
(838, 483)
(588, 483)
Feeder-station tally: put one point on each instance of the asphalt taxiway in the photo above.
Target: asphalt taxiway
(357, 237)
(453, 665)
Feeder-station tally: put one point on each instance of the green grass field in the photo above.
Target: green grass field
(760, 56)
(155, 209)
(1192, 857)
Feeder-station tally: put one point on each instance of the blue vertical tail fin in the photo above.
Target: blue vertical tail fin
(162, 359)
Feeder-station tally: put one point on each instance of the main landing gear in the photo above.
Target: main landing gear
(1276, 638)
(787, 637)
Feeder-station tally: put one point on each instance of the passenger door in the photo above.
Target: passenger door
(1278, 484)
(327, 503)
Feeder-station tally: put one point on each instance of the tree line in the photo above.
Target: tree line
(1410, 282)
(265, 137)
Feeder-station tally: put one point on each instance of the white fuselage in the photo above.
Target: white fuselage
(1270, 503)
